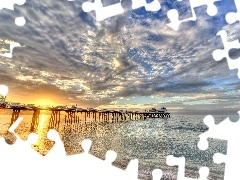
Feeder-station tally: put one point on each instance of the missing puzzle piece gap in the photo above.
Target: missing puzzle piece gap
(180, 162)
(9, 4)
(102, 12)
(173, 14)
(219, 54)
(153, 6)
(15, 125)
(86, 145)
(110, 157)
(233, 17)
(157, 174)
(103, 169)
(12, 46)
(20, 21)
(217, 131)
(219, 158)
(229, 131)
(58, 150)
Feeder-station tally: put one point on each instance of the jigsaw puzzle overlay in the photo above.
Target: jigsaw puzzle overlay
(103, 13)
(217, 131)
(10, 53)
(19, 21)
(79, 166)
(219, 54)
(21, 151)
(21, 155)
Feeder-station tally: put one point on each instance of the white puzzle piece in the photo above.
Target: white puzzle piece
(180, 162)
(153, 6)
(226, 130)
(233, 17)
(103, 12)
(9, 4)
(173, 14)
(10, 53)
(219, 54)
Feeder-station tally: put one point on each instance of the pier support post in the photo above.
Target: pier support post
(35, 120)
(54, 120)
(72, 117)
(15, 115)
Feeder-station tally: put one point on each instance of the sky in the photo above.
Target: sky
(128, 61)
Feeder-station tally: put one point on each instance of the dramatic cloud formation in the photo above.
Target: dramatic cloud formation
(133, 60)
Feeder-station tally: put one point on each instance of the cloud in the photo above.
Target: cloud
(69, 54)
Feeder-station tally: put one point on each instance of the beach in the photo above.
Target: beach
(150, 141)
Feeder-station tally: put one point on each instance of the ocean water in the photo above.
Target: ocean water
(150, 141)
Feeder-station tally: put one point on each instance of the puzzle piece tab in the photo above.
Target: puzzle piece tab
(180, 162)
(173, 14)
(9, 4)
(24, 158)
(219, 54)
(10, 53)
(106, 11)
(18, 154)
(56, 165)
(153, 6)
(226, 130)
(101, 167)
(101, 11)
(233, 17)
(157, 174)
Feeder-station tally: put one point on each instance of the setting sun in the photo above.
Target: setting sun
(45, 102)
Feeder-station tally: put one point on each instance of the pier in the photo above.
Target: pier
(76, 115)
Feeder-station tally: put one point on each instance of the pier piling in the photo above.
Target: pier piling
(75, 116)
(35, 120)
(15, 115)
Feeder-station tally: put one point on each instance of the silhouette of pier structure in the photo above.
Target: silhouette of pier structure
(80, 116)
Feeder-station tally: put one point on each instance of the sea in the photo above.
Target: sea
(150, 141)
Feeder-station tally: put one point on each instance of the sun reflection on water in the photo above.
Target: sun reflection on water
(43, 145)
(43, 125)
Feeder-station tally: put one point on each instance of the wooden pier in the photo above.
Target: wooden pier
(80, 116)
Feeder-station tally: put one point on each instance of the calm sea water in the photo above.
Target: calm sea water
(151, 141)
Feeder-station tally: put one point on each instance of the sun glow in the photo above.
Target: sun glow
(42, 121)
(42, 126)
(45, 102)
(116, 63)
(42, 130)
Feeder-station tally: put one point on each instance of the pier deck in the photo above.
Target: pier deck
(79, 115)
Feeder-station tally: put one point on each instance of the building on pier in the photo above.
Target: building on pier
(162, 112)
(8, 105)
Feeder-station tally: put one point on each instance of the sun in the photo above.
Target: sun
(45, 102)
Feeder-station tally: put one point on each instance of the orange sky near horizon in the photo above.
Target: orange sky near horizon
(44, 100)
(34, 99)
(57, 101)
